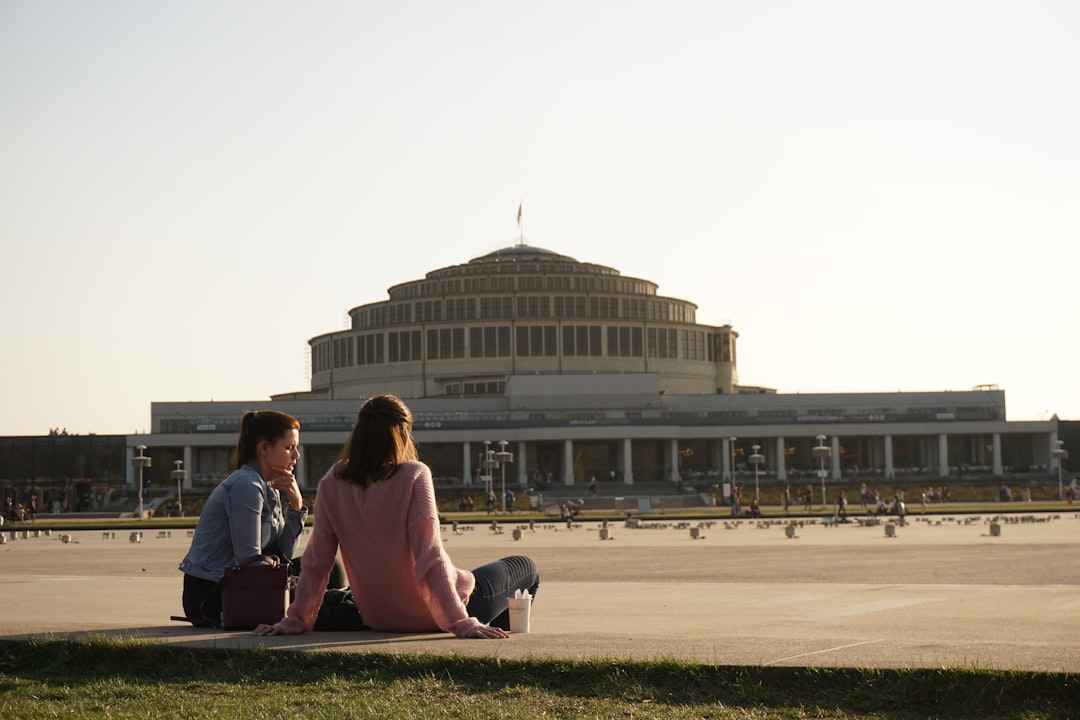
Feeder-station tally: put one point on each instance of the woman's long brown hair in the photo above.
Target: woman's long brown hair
(379, 443)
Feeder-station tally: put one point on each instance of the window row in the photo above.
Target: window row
(528, 341)
(508, 307)
(522, 283)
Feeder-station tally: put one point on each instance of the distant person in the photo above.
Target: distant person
(245, 518)
(377, 505)
(841, 506)
(808, 498)
(785, 499)
(510, 498)
(591, 488)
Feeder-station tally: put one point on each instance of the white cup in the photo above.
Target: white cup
(519, 610)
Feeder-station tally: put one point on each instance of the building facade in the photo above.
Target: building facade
(581, 372)
(463, 330)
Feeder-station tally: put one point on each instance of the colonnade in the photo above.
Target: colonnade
(933, 447)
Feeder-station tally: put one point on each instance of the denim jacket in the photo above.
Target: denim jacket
(241, 518)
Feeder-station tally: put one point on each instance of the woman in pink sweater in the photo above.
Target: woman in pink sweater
(377, 504)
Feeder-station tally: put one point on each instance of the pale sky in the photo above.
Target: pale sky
(877, 196)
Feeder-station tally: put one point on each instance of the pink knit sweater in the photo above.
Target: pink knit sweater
(401, 577)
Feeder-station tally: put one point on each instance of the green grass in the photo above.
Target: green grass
(125, 678)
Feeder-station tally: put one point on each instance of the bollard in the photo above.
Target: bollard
(135, 537)
(37, 533)
(890, 530)
(604, 534)
(517, 533)
(48, 532)
(695, 533)
(25, 534)
(995, 529)
(790, 531)
(65, 539)
(3, 539)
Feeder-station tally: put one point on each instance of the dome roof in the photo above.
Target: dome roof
(522, 252)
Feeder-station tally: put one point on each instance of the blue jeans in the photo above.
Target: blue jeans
(497, 581)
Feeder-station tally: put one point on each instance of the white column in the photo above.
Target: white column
(301, 476)
(890, 471)
(628, 462)
(519, 460)
(999, 471)
(466, 464)
(943, 454)
(129, 469)
(568, 462)
(673, 460)
(187, 466)
(781, 465)
(726, 471)
(834, 460)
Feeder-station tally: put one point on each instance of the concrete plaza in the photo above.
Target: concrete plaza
(943, 592)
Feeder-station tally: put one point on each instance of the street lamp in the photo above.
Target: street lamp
(757, 458)
(140, 461)
(501, 458)
(1060, 454)
(179, 475)
(822, 451)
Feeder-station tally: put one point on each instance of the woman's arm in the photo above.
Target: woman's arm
(244, 506)
(433, 567)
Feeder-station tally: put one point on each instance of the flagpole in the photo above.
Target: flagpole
(521, 232)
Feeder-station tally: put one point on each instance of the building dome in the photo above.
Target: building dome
(463, 330)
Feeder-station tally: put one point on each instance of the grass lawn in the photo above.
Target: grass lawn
(104, 678)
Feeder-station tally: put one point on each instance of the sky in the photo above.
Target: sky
(879, 197)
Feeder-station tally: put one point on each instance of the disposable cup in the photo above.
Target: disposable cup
(519, 610)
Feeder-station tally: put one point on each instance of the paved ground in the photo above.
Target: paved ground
(941, 593)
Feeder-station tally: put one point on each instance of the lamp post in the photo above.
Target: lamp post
(822, 451)
(756, 459)
(501, 458)
(179, 475)
(140, 461)
(1060, 454)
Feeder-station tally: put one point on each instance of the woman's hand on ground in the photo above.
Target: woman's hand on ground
(487, 632)
(266, 630)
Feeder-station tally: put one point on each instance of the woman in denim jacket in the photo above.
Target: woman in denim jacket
(244, 517)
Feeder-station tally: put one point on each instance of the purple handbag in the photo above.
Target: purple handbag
(254, 593)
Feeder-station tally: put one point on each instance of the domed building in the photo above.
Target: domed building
(463, 330)
(575, 372)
